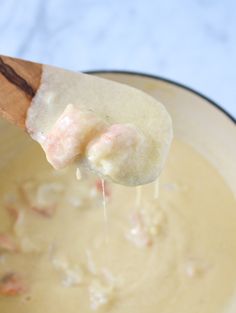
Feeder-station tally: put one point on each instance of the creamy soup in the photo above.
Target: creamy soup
(93, 246)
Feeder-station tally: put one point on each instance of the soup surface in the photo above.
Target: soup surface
(82, 246)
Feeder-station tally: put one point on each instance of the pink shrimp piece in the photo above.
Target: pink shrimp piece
(44, 211)
(99, 187)
(12, 211)
(120, 135)
(11, 284)
(7, 243)
(117, 151)
(70, 135)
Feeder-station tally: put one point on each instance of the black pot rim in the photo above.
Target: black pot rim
(168, 81)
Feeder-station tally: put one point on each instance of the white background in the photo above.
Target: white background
(190, 41)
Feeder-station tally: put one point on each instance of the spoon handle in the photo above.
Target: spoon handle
(19, 81)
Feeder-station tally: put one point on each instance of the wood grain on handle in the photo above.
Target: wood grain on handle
(19, 81)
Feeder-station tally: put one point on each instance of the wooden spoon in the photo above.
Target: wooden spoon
(19, 81)
(136, 124)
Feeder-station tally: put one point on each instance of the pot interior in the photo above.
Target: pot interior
(196, 121)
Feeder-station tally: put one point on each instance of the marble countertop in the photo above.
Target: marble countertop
(190, 41)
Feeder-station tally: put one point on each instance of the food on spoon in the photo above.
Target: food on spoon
(121, 153)
(69, 136)
(115, 130)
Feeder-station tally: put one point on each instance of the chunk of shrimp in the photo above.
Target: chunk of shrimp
(69, 136)
(11, 284)
(118, 154)
(100, 185)
(7, 243)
